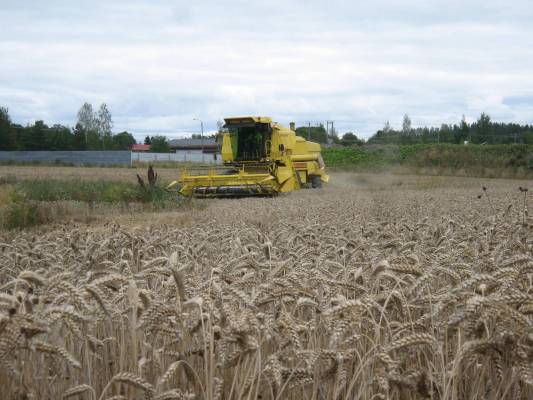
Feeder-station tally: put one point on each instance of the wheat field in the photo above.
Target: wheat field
(371, 288)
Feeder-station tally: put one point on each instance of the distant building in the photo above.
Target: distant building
(208, 145)
(140, 148)
(181, 150)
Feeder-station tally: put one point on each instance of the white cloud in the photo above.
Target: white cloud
(159, 64)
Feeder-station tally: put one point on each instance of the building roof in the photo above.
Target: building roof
(140, 147)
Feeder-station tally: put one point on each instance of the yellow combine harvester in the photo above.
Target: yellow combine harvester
(259, 157)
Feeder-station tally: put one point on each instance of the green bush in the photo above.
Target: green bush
(358, 157)
(21, 215)
(8, 180)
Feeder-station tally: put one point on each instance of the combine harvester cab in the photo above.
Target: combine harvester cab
(259, 158)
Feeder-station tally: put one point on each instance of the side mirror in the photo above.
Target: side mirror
(281, 147)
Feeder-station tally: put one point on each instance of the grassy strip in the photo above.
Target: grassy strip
(88, 191)
(29, 203)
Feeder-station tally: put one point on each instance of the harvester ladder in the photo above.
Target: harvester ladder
(268, 145)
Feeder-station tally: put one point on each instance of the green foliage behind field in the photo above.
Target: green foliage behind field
(358, 157)
(514, 161)
(40, 136)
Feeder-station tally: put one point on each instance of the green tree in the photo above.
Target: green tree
(58, 137)
(528, 137)
(94, 141)
(87, 118)
(88, 121)
(159, 144)
(104, 122)
(314, 133)
(17, 133)
(97, 125)
(33, 137)
(147, 140)
(444, 134)
(80, 138)
(123, 141)
(6, 130)
(350, 139)
(406, 125)
(462, 133)
(482, 129)
(386, 135)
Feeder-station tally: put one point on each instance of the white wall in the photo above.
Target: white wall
(180, 155)
(68, 157)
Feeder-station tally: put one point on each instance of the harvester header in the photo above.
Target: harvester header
(259, 157)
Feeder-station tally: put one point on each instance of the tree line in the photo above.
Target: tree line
(93, 131)
(482, 131)
(319, 134)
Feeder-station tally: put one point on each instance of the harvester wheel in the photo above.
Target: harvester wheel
(316, 182)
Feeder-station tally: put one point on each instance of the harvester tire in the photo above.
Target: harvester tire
(316, 182)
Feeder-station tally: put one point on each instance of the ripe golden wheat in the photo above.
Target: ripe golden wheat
(337, 294)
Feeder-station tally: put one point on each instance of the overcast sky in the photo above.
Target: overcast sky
(158, 64)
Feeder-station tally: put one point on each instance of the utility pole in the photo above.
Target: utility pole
(308, 130)
(201, 135)
(328, 130)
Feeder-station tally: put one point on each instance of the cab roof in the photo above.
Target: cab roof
(247, 120)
